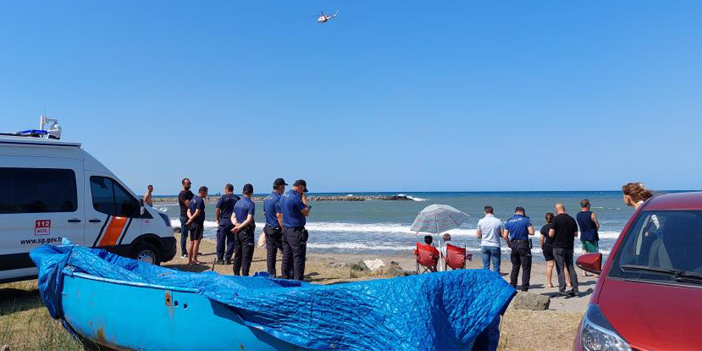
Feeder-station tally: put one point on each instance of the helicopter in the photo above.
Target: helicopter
(325, 18)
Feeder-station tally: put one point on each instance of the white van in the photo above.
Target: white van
(51, 190)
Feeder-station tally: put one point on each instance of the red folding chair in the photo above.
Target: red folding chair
(427, 258)
(455, 257)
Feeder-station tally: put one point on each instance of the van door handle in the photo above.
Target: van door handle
(95, 220)
(74, 220)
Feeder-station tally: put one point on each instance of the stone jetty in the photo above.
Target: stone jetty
(213, 199)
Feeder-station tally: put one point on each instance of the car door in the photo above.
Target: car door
(39, 204)
(113, 214)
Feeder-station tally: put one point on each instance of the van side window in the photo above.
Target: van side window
(37, 190)
(111, 198)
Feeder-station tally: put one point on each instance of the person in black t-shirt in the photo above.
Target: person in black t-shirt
(196, 221)
(547, 248)
(184, 202)
(563, 232)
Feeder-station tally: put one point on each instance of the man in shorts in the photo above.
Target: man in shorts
(196, 223)
(589, 226)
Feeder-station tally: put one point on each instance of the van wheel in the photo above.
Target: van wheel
(146, 252)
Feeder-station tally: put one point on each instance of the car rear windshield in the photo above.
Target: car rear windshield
(664, 246)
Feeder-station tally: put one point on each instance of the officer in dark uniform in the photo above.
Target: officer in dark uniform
(516, 233)
(293, 205)
(274, 224)
(244, 226)
(223, 214)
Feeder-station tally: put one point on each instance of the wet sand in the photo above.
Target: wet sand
(553, 329)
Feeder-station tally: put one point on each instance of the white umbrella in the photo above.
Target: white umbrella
(436, 219)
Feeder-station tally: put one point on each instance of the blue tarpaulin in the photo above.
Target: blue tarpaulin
(437, 311)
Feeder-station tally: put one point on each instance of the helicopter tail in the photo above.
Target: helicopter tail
(335, 13)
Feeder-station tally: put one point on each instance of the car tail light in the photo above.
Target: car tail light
(598, 335)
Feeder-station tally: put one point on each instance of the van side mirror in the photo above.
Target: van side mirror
(142, 210)
(590, 263)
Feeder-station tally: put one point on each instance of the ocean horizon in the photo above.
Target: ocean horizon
(379, 227)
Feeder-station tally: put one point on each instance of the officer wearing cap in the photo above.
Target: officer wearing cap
(516, 232)
(244, 226)
(223, 215)
(294, 207)
(274, 224)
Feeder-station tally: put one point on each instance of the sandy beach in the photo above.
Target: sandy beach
(553, 329)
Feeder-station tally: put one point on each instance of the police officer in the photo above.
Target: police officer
(516, 232)
(244, 226)
(274, 224)
(223, 214)
(293, 205)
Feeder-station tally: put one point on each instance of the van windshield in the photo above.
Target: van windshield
(662, 246)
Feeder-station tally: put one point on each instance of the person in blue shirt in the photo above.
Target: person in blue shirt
(294, 207)
(223, 215)
(196, 223)
(273, 230)
(244, 226)
(516, 232)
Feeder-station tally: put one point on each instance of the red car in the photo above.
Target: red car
(649, 294)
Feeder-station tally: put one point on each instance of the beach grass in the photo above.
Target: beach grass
(25, 324)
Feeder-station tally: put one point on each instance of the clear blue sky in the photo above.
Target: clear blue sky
(390, 96)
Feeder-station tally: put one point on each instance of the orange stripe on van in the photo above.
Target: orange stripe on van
(113, 231)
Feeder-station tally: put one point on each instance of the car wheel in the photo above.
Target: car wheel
(146, 252)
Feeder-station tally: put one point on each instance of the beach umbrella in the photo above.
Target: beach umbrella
(437, 219)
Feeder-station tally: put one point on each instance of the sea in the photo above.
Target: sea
(381, 227)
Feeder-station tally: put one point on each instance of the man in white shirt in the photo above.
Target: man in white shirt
(490, 230)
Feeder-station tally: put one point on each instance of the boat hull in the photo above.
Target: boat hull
(127, 315)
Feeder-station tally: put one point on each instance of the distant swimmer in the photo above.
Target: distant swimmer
(148, 196)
